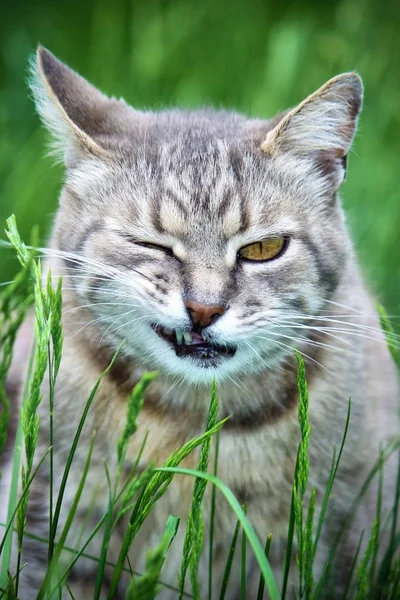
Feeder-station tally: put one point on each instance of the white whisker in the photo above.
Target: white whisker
(292, 349)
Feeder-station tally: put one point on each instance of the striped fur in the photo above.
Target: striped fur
(203, 184)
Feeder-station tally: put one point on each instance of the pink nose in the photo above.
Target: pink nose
(203, 315)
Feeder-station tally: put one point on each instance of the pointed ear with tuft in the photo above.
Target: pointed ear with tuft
(322, 126)
(74, 111)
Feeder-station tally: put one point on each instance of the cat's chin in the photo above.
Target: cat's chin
(192, 346)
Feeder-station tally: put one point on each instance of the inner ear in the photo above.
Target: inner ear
(83, 104)
(80, 117)
(321, 128)
(324, 122)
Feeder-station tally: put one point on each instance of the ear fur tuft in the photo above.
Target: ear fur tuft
(325, 121)
(66, 104)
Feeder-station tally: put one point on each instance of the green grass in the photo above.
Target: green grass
(137, 494)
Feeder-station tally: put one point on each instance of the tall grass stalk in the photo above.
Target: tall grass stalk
(378, 520)
(385, 455)
(389, 556)
(95, 559)
(60, 545)
(304, 531)
(302, 468)
(134, 406)
(131, 486)
(331, 479)
(390, 335)
(193, 543)
(74, 445)
(9, 525)
(152, 492)
(229, 561)
(147, 585)
(363, 578)
(244, 521)
(106, 539)
(212, 519)
(243, 561)
(54, 352)
(13, 503)
(15, 300)
(353, 566)
(261, 585)
(47, 327)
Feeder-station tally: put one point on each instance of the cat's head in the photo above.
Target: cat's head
(202, 238)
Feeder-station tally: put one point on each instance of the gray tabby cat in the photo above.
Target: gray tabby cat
(212, 244)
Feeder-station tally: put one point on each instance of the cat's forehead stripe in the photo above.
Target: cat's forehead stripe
(169, 214)
(175, 210)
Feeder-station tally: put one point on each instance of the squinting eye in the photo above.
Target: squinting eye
(154, 247)
(265, 250)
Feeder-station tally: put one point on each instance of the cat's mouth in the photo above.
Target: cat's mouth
(191, 343)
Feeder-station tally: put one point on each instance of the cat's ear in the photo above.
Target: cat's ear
(73, 110)
(322, 126)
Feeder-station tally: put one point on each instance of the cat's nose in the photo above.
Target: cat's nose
(203, 315)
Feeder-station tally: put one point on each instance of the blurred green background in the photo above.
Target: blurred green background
(257, 56)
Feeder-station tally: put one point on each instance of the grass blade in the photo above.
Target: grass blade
(13, 504)
(60, 545)
(243, 569)
(353, 566)
(388, 558)
(245, 523)
(390, 335)
(152, 492)
(106, 541)
(212, 519)
(134, 405)
(261, 585)
(318, 589)
(228, 566)
(146, 586)
(21, 499)
(384, 457)
(54, 300)
(362, 581)
(90, 557)
(378, 527)
(289, 544)
(75, 444)
(332, 476)
(301, 472)
(193, 542)
(308, 548)
(70, 592)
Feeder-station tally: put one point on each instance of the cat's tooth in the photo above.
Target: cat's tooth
(167, 331)
(187, 337)
(179, 336)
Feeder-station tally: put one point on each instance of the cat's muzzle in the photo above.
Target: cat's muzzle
(191, 343)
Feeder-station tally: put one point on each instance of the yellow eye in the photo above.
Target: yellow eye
(265, 250)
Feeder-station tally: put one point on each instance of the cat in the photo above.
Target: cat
(212, 244)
